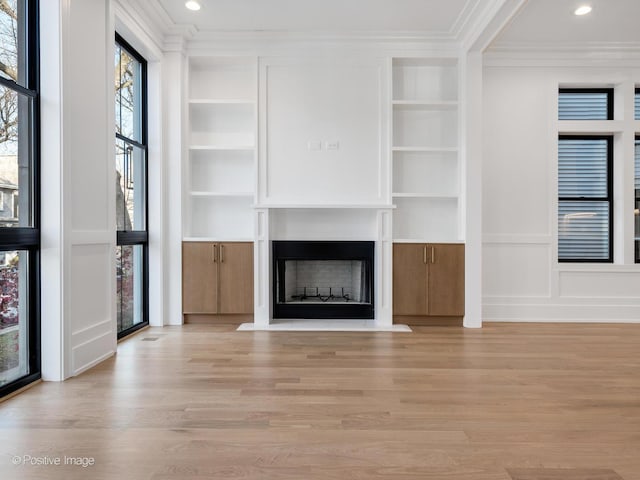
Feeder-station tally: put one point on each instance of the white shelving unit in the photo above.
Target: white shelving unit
(221, 168)
(425, 163)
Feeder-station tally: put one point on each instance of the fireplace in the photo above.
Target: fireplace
(323, 279)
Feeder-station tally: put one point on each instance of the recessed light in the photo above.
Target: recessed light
(192, 5)
(583, 10)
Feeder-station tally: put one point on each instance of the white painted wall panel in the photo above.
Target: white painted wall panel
(90, 266)
(516, 270)
(324, 102)
(600, 284)
(522, 279)
(86, 83)
(78, 255)
(515, 176)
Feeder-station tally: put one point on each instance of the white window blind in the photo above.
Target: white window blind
(584, 199)
(584, 104)
(637, 115)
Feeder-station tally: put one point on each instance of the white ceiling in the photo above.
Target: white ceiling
(552, 23)
(433, 17)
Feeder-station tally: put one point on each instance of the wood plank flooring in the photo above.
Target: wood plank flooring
(507, 402)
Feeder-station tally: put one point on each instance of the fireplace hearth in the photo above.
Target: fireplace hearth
(323, 280)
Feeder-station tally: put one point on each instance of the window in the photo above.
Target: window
(636, 211)
(585, 203)
(19, 224)
(585, 104)
(131, 188)
(637, 104)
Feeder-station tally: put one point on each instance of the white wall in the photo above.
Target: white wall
(78, 193)
(325, 125)
(522, 280)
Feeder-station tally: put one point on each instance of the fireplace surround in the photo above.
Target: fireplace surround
(323, 279)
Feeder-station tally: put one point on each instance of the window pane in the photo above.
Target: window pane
(128, 89)
(15, 159)
(583, 230)
(12, 41)
(637, 202)
(582, 168)
(130, 187)
(583, 106)
(14, 351)
(129, 264)
(637, 115)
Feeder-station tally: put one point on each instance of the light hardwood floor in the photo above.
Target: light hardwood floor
(522, 402)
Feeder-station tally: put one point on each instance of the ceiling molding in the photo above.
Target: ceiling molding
(145, 37)
(621, 54)
(488, 23)
(466, 16)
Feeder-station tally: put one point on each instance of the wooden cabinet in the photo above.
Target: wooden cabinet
(428, 279)
(217, 278)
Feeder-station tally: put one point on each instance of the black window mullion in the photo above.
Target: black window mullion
(586, 199)
(132, 238)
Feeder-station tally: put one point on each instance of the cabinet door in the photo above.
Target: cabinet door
(236, 278)
(409, 279)
(199, 277)
(446, 279)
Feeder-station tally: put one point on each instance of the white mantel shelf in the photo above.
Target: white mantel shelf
(333, 325)
(325, 206)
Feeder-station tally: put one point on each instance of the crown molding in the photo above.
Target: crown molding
(487, 22)
(625, 54)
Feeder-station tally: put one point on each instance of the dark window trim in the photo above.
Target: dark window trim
(143, 74)
(138, 237)
(608, 198)
(28, 238)
(608, 91)
(636, 198)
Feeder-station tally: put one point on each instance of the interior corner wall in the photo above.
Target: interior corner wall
(78, 187)
(522, 280)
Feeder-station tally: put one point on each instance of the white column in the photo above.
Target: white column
(471, 155)
(384, 270)
(78, 193)
(175, 124)
(262, 288)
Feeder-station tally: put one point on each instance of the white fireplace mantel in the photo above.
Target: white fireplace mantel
(323, 222)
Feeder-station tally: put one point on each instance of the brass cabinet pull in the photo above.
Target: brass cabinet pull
(221, 253)
(213, 248)
(433, 254)
(424, 254)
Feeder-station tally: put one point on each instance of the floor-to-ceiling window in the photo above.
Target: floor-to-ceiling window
(131, 188)
(19, 199)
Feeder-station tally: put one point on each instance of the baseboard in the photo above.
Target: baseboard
(222, 319)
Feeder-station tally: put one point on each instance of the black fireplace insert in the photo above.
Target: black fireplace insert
(313, 279)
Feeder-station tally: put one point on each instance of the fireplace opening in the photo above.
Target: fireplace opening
(323, 279)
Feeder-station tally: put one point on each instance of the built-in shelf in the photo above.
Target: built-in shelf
(424, 105)
(425, 149)
(425, 164)
(221, 144)
(221, 194)
(422, 195)
(326, 206)
(220, 101)
(217, 239)
(223, 147)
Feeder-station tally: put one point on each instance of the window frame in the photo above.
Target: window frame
(28, 238)
(609, 198)
(610, 103)
(138, 237)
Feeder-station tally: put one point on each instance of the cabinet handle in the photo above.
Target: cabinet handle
(213, 254)
(424, 254)
(433, 254)
(221, 253)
